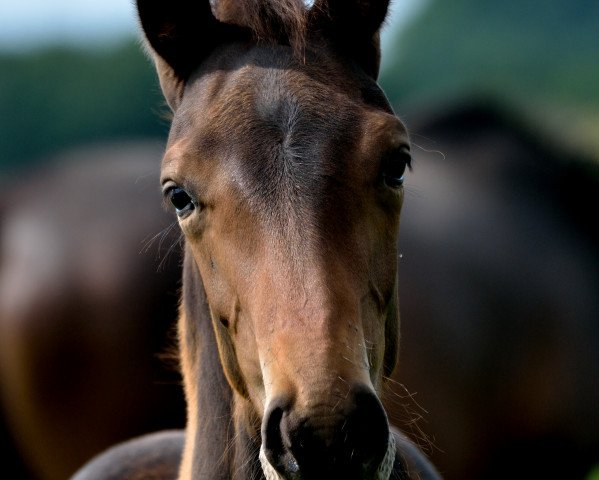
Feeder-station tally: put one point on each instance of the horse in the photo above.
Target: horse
(86, 304)
(284, 167)
(499, 279)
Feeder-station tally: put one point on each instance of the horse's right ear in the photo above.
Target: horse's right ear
(180, 34)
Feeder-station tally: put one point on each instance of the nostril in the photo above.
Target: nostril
(271, 433)
(366, 429)
(275, 440)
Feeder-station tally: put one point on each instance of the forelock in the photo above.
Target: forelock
(268, 20)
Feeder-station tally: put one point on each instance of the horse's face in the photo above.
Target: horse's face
(288, 192)
(286, 177)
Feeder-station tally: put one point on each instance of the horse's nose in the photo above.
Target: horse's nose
(349, 441)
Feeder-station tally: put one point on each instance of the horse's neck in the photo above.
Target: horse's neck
(217, 444)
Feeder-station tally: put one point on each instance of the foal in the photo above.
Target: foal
(285, 167)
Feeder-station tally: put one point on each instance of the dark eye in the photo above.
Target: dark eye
(180, 200)
(394, 167)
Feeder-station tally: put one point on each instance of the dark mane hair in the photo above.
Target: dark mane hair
(283, 21)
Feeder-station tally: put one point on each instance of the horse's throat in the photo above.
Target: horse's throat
(247, 443)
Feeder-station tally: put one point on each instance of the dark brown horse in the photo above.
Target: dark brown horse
(285, 168)
(498, 281)
(85, 308)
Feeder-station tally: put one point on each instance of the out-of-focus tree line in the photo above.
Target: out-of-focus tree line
(60, 97)
(539, 60)
(528, 50)
(541, 56)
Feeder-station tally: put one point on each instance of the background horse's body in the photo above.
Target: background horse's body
(85, 312)
(498, 288)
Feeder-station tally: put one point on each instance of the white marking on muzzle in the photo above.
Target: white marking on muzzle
(383, 473)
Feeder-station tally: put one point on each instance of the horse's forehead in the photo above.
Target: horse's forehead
(285, 140)
(269, 117)
(277, 93)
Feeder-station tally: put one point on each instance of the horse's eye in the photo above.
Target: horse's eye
(180, 200)
(394, 167)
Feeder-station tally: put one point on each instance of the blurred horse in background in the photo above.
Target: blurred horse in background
(85, 310)
(499, 295)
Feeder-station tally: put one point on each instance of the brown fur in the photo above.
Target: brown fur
(270, 20)
(289, 314)
(86, 305)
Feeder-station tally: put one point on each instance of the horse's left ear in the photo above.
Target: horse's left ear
(354, 27)
(180, 34)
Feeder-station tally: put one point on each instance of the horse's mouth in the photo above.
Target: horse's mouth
(293, 471)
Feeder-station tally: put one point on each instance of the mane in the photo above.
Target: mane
(278, 21)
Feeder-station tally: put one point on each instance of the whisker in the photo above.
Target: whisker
(429, 150)
(177, 243)
(414, 412)
(148, 242)
(164, 236)
(415, 191)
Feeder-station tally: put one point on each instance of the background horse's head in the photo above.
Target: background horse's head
(285, 166)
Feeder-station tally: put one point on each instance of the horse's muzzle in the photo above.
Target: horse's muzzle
(350, 442)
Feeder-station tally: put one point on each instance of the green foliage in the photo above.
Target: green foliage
(59, 97)
(593, 474)
(537, 50)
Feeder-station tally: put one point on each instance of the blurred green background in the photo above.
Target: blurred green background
(60, 96)
(538, 57)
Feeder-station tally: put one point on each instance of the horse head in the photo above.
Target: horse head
(285, 167)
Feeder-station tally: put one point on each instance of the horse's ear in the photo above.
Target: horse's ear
(180, 34)
(353, 26)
